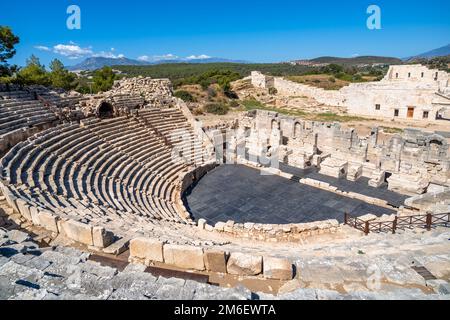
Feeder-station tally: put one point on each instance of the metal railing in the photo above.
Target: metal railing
(426, 221)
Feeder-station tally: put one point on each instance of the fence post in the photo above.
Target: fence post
(429, 221)
(394, 225)
(345, 218)
(366, 228)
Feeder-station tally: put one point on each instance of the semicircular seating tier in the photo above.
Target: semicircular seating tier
(20, 110)
(114, 172)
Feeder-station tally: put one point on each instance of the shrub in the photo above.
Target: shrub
(344, 76)
(184, 95)
(231, 95)
(252, 104)
(212, 92)
(103, 79)
(273, 91)
(217, 108)
(197, 111)
(234, 104)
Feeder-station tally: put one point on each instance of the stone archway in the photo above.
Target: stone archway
(437, 146)
(105, 110)
(275, 125)
(297, 129)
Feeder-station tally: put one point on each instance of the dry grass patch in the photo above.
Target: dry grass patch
(324, 81)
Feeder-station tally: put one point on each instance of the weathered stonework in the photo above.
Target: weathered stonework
(48, 221)
(244, 264)
(149, 250)
(406, 92)
(278, 268)
(77, 231)
(409, 163)
(102, 238)
(215, 260)
(185, 257)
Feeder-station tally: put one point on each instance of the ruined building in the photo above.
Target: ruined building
(407, 92)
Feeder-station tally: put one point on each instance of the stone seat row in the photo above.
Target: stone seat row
(88, 217)
(55, 176)
(15, 95)
(100, 171)
(22, 113)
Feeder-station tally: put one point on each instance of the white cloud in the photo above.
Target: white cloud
(168, 56)
(72, 51)
(42, 48)
(144, 58)
(355, 55)
(105, 54)
(202, 56)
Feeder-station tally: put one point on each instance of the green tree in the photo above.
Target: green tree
(33, 73)
(217, 108)
(7, 43)
(103, 79)
(60, 76)
(83, 85)
(184, 95)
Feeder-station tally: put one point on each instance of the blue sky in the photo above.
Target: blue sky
(259, 31)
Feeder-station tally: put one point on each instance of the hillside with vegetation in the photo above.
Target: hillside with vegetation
(356, 61)
(177, 71)
(441, 63)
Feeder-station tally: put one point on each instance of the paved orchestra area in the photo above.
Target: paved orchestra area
(242, 194)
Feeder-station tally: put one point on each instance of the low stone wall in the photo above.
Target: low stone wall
(256, 231)
(353, 195)
(435, 202)
(320, 185)
(93, 236)
(192, 176)
(290, 88)
(149, 251)
(293, 232)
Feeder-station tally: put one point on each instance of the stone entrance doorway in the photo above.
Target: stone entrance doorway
(410, 112)
(105, 110)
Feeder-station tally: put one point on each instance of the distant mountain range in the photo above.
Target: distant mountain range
(439, 52)
(95, 63)
(360, 60)
(99, 62)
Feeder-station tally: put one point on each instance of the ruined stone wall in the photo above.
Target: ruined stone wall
(261, 81)
(401, 100)
(410, 162)
(289, 88)
(146, 87)
(417, 74)
(406, 92)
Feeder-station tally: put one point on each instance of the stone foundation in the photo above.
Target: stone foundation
(148, 251)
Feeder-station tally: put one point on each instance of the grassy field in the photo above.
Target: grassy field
(249, 105)
(323, 81)
(392, 130)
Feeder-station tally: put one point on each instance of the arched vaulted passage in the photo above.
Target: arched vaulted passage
(105, 110)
